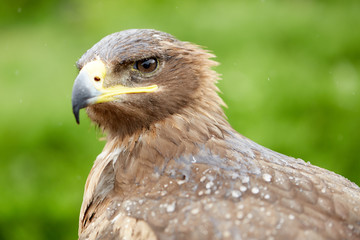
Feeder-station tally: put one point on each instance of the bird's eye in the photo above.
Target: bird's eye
(146, 65)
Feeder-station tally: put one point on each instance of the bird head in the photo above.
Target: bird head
(131, 79)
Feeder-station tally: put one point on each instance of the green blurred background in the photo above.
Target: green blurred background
(290, 78)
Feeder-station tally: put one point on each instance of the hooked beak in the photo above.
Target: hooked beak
(88, 88)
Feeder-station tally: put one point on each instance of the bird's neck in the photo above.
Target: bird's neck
(145, 154)
(149, 150)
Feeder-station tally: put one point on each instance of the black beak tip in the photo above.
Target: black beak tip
(77, 119)
(76, 114)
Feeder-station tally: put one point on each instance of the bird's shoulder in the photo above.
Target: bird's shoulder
(231, 189)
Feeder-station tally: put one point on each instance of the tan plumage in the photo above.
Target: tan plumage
(173, 168)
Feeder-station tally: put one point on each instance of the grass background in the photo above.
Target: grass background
(290, 79)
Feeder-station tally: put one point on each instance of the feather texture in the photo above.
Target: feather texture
(173, 168)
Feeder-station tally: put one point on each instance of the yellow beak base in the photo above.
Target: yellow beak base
(88, 88)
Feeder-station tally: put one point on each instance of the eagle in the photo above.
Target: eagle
(174, 168)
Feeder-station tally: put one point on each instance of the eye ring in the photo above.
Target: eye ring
(147, 65)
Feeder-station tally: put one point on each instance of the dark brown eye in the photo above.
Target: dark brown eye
(146, 65)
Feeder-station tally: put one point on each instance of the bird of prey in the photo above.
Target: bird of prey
(172, 166)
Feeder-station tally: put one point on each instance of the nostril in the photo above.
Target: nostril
(97, 79)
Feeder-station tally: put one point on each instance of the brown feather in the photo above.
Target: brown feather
(173, 168)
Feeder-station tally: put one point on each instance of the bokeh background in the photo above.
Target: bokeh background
(290, 74)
